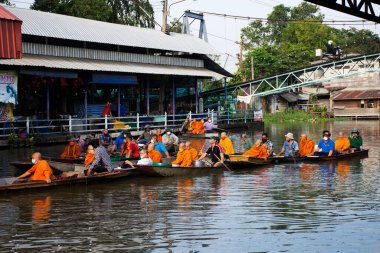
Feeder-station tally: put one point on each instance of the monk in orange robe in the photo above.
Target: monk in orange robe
(342, 144)
(72, 151)
(90, 155)
(40, 171)
(197, 127)
(193, 151)
(306, 146)
(257, 151)
(183, 157)
(154, 154)
(159, 135)
(192, 125)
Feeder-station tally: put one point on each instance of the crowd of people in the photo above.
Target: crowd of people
(151, 147)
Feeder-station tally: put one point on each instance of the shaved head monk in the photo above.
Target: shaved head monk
(307, 146)
(40, 171)
(193, 151)
(342, 144)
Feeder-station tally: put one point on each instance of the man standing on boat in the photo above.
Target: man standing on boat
(326, 146)
(40, 171)
(227, 144)
(215, 152)
(290, 147)
(102, 161)
(268, 144)
(72, 151)
(170, 141)
(356, 141)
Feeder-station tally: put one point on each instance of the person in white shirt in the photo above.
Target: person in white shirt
(144, 160)
(170, 141)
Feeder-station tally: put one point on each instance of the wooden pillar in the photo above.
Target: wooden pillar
(147, 95)
(47, 100)
(173, 97)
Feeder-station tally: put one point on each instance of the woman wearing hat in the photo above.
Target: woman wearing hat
(290, 147)
(356, 141)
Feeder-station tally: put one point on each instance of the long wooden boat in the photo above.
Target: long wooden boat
(243, 162)
(102, 177)
(59, 163)
(206, 135)
(282, 159)
(168, 171)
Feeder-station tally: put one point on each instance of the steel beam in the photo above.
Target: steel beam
(366, 9)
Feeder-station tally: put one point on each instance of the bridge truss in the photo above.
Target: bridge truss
(314, 75)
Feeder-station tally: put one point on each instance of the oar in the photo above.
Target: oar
(223, 163)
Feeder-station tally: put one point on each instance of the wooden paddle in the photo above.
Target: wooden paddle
(223, 163)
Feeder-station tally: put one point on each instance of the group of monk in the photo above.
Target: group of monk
(200, 126)
(307, 147)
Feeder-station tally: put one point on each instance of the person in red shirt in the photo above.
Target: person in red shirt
(130, 148)
(107, 110)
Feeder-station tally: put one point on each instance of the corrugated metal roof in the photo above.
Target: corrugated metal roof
(106, 66)
(5, 14)
(47, 24)
(357, 94)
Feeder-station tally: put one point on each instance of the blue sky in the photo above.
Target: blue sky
(219, 27)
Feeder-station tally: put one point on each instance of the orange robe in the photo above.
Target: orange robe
(342, 143)
(227, 145)
(192, 126)
(183, 158)
(89, 159)
(41, 171)
(155, 156)
(257, 152)
(193, 154)
(307, 147)
(71, 152)
(197, 127)
(159, 136)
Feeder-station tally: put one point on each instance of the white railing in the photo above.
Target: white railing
(73, 125)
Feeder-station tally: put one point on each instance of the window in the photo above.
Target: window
(371, 103)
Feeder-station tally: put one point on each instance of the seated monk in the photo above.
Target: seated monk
(198, 127)
(306, 146)
(201, 127)
(90, 156)
(183, 157)
(40, 171)
(193, 151)
(154, 154)
(342, 144)
(257, 151)
(192, 125)
(72, 151)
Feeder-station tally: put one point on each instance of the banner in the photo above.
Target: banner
(8, 87)
(258, 115)
(245, 99)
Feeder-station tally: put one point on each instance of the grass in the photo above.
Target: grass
(298, 116)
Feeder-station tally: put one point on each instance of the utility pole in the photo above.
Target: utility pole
(164, 16)
(241, 53)
(252, 68)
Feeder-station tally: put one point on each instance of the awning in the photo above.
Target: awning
(49, 73)
(53, 62)
(104, 78)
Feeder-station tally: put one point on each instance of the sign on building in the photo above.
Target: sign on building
(8, 87)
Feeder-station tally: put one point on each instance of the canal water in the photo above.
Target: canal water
(295, 207)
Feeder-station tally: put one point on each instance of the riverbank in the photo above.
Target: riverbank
(299, 116)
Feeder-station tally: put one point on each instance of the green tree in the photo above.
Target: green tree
(6, 2)
(256, 34)
(277, 21)
(358, 41)
(90, 9)
(175, 26)
(132, 12)
(55, 6)
(305, 11)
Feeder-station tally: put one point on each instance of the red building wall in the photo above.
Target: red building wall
(10, 35)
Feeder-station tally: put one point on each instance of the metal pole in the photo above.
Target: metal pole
(118, 101)
(173, 100)
(147, 96)
(27, 125)
(106, 122)
(166, 120)
(196, 97)
(85, 108)
(225, 90)
(47, 100)
(138, 122)
(70, 125)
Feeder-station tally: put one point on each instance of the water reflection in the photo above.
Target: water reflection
(41, 209)
(184, 194)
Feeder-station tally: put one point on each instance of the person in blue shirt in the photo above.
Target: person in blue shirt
(119, 141)
(290, 147)
(160, 147)
(326, 146)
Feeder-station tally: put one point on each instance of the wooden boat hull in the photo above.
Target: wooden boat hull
(67, 181)
(362, 153)
(241, 161)
(199, 136)
(155, 171)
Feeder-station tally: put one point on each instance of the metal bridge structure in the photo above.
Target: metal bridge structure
(313, 75)
(366, 9)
